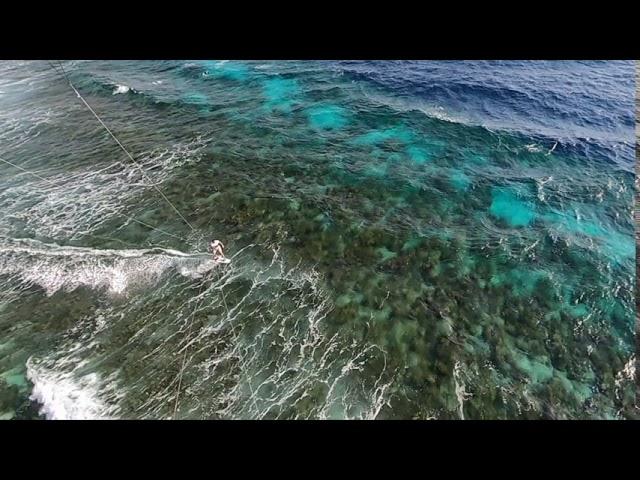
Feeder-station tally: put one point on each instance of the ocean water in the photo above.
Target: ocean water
(408, 240)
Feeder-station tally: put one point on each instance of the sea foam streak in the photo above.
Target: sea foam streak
(54, 268)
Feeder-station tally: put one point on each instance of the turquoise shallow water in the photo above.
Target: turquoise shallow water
(393, 256)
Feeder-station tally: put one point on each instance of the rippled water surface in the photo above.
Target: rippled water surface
(407, 240)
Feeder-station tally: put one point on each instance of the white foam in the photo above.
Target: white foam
(55, 268)
(534, 148)
(64, 397)
(627, 374)
(460, 388)
(121, 89)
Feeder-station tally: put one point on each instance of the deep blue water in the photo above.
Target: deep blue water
(584, 105)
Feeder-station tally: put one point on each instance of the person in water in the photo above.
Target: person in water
(217, 248)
